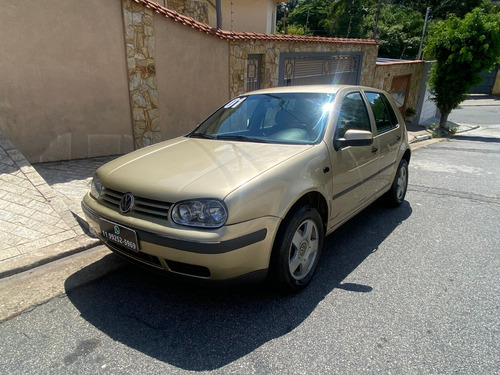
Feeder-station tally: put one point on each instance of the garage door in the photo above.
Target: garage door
(320, 68)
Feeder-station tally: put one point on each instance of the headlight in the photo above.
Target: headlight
(205, 213)
(95, 187)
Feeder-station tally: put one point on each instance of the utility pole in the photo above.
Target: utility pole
(420, 50)
(218, 11)
(377, 15)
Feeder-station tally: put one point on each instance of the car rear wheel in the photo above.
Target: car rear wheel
(396, 195)
(297, 249)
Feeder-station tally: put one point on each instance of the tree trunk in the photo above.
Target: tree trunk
(444, 119)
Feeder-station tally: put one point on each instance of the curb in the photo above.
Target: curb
(28, 261)
(462, 128)
(24, 291)
(421, 138)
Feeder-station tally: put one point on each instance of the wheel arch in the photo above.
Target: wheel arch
(314, 199)
(407, 155)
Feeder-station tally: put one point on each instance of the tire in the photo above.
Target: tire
(396, 195)
(297, 249)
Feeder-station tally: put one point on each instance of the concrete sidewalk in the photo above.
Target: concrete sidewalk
(40, 223)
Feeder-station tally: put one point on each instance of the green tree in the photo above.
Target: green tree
(463, 48)
(282, 11)
(441, 9)
(399, 31)
(347, 17)
(312, 15)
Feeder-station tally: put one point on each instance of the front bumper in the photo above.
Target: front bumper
(227, 253)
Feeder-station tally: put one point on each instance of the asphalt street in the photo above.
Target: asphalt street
(412, 290)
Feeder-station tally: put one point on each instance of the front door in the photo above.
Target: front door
(353, 166)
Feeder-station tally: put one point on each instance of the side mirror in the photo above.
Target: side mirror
(353, 137)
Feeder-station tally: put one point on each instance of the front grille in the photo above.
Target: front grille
(154, 261)
(140, 256)
(142, 205)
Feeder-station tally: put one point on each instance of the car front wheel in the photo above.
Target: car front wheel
(297, 249)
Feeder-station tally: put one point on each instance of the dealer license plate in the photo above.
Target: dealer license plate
(119, 234)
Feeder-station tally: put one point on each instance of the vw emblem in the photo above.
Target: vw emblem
(127, 203)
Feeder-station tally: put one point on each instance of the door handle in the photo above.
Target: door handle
(399, 138)
(374, 150)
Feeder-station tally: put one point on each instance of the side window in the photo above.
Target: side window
(352, 115)
(385, 118)
(392, 114)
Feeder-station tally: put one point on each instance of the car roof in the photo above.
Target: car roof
(328, 89)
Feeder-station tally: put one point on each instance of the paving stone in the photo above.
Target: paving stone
(17, 198)
(78, 230)
(27, 233)
(15, 179)
(38, 202)
(6, 168)
(16, 155)
(44, 218)
(18, 219)
(31, 246)
(4, 204)
(62, 224)
(5, 143)
(35, 178)
(47, 191)
(9, 253)
(10, 240)
(59, 237)
(40, 206)
(5, 215)
(12, 188)
(7, 227)
(49, 229)
(16, 208)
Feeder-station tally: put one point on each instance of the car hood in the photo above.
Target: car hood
(185, 168)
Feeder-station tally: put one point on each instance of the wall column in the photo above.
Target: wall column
(139, 40)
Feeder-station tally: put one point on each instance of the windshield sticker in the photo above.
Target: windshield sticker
(235, 103)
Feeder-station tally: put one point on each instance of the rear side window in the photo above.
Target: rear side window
(385, 118)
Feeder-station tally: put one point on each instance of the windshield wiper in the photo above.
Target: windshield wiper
(243, 138)
(201, 135)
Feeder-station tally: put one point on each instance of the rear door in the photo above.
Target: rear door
(387, 139)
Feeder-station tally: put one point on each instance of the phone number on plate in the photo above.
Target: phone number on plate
(120, 240)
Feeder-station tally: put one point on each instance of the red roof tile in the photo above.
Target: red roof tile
(233, 35)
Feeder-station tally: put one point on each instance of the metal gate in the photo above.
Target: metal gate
(320, 68)
(253, 72)
(487, 82)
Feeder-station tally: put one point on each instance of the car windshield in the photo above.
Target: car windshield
(298, 118)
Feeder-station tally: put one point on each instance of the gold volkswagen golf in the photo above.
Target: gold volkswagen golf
(254, 189)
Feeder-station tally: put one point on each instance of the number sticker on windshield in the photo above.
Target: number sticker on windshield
(234, 103)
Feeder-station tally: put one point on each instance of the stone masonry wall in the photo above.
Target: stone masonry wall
(139, 39)
(385, 73)
(270, 51)
(195, 9)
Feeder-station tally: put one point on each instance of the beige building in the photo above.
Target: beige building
(94, 78)
(258, 16)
